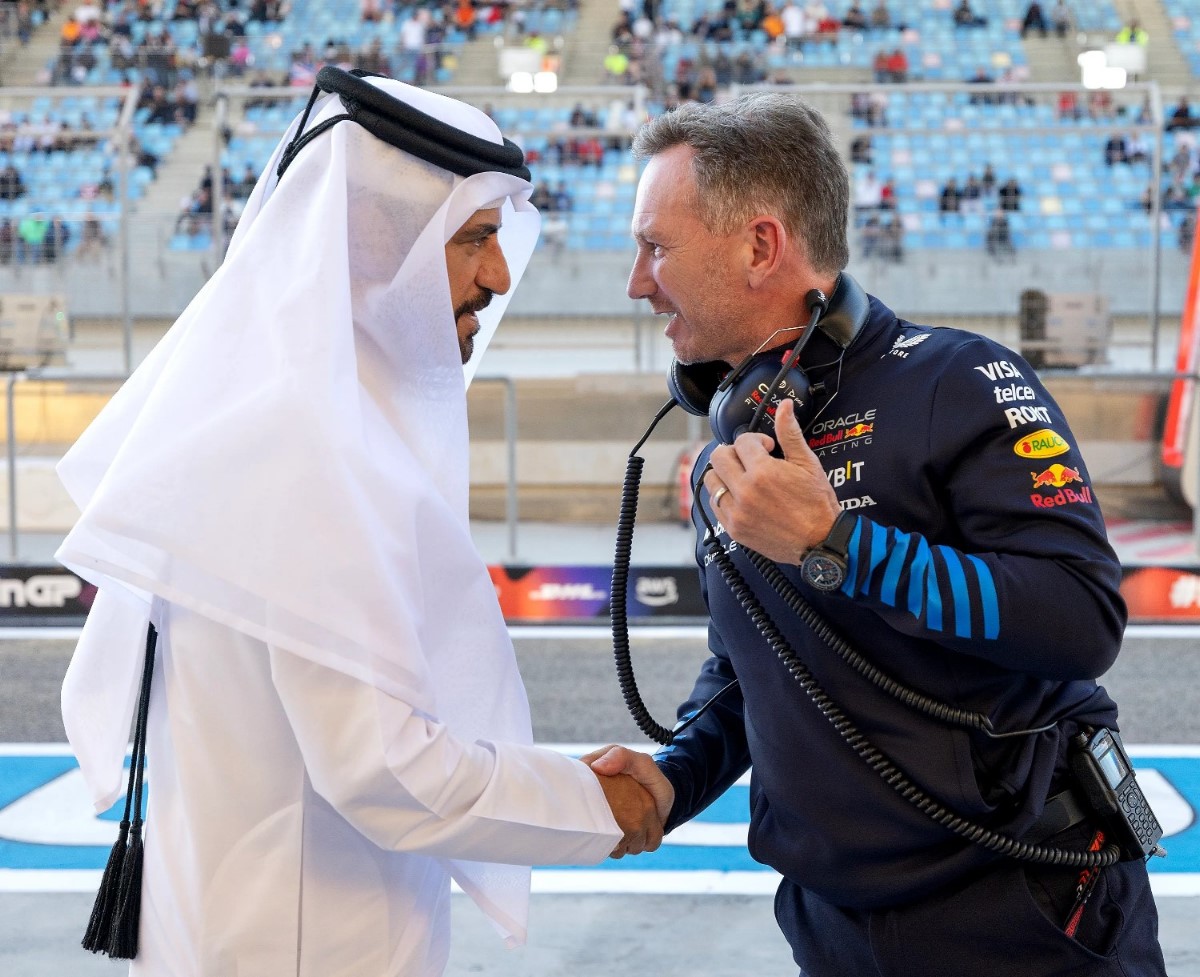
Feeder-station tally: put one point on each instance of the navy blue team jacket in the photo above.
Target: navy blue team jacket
(980, 575)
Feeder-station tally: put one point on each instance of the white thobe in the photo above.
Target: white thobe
(299, 820)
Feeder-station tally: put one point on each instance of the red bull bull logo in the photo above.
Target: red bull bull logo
(859, 430)
(1056, 476)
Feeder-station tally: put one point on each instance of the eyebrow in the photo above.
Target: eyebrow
(477, 231)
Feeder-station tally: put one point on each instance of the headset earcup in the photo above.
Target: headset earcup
(692, 385)
(733, 408)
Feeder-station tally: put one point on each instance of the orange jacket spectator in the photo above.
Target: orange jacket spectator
(772, 24)
(71, 32)
(464, 15)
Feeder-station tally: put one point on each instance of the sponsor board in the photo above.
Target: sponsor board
(44, 594)
(50, 840)
(1154, 594)
(582, 592)
(1162, 595)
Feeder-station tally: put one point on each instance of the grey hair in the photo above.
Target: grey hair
(763, 152)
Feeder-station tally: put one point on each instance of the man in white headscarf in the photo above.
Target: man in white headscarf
(336, 723)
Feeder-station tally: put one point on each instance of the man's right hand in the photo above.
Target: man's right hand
(613, 762)
(636, 813)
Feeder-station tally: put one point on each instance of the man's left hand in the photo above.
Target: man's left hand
(779, 507)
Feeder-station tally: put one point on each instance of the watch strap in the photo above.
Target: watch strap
(838, 540)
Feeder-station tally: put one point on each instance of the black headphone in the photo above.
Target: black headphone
(745, 398)
(405, 127)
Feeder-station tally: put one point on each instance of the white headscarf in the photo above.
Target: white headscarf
(302, 481)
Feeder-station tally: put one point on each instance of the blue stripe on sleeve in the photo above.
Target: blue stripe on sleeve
(852, 559)
(958, 587)
(916, 578)
(878, 553)
(933, 597)
(987, 598)
(891, 575)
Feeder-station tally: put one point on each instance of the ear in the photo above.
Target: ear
(768, 243)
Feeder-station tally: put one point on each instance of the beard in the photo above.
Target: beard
(466, 344)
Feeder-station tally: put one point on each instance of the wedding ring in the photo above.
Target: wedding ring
(718, 495)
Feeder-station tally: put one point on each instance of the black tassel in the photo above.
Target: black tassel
(116, 914)
(98, 928)
(123, 936)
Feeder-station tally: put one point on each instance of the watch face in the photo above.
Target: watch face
(823, 572)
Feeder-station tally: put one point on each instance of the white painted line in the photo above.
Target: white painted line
(575, 632)
(35, 633)
(576, 882)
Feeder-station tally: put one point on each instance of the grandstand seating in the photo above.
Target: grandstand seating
(936, 49)
(1070, 199)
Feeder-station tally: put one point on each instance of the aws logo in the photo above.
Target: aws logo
(1041, 444)
(657, 591)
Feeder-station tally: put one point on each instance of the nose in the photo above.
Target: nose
(493, 270)
(641, 283)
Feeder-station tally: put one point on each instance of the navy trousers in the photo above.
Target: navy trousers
(1007, 922)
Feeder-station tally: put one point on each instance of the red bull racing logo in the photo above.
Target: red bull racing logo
(1059, 477)
(1056, 476)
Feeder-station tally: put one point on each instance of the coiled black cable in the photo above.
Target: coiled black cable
(875, 758)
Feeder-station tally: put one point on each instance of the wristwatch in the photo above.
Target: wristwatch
(824, 566)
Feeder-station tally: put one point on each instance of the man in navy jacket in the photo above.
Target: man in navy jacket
(932, 506)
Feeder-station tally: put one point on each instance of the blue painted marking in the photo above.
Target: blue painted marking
(21, 775)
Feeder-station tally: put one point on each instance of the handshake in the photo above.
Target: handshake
(638, 794)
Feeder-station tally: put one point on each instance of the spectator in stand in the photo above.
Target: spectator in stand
(887, 195)
(58, 239)
(616, 66)
(879, 67)
(31, 238)
(868, 194)
(372, 57)
(871, 237)
(1137, 148)
(893, 240)
(1186, 234)
(92, 239)
(795, 23)
(1062, 18)
(981, 77)
(1010, 195)
(999, 242)
(1101, 105)
(881, 17)
(465, 18)
(1132, 33)
(861, 150)
(950, 200)
(412, 39)
(245, 186)
(897, 66)
(988, 181)
(1181, 115)
(8, 241)
(1034, 20)
(302, 72)
(972, 195)
(1068, 107)
(1115, 150)
(773, 25)
(855, 17)
(12, 186)
(964, 16)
